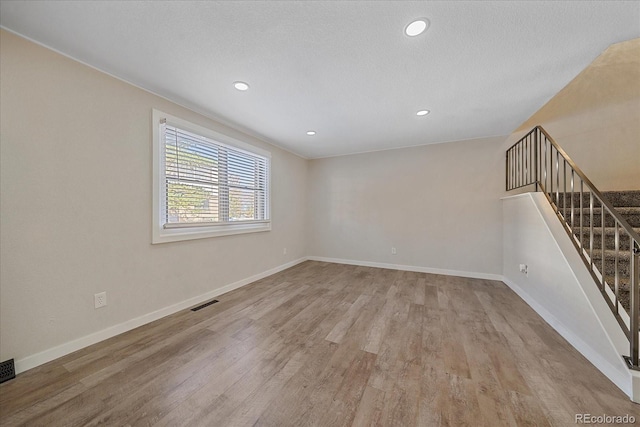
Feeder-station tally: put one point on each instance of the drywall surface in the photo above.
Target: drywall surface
(76, 171)
(558, 285)
(596, 118)
(437, 205)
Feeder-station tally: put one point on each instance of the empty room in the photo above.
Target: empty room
(319, 213)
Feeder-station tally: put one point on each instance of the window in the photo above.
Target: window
(206, 184)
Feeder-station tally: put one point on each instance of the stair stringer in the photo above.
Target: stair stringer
(559, 287)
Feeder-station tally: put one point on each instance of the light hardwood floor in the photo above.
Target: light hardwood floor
(327, 345)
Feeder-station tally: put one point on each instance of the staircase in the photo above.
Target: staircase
(604, 227)
(627, 204)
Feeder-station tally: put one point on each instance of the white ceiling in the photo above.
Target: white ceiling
(342, 68)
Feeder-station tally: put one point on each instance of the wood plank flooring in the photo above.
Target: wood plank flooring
(327, 345)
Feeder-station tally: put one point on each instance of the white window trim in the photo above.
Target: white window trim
(160, 234)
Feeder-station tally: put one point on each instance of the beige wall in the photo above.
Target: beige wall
(596, 118)
(76, 206)
(438, 205)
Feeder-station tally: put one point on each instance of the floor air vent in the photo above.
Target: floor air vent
(206, 304)
(7, 371)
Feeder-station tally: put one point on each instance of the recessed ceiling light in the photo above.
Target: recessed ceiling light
(422, 113)
(311, 132)
(241, 86)
(417, 27)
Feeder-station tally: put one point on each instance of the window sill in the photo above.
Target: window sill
(161, 235)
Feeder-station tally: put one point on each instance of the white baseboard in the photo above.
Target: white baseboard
(48, 355)
(619, 379)
(402, 267)
(635, 380)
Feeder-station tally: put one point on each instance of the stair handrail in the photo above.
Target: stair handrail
(526, 164)
(584, 178)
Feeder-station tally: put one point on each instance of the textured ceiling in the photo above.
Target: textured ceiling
(342, 68)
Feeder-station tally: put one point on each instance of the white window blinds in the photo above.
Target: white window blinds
(209, 183)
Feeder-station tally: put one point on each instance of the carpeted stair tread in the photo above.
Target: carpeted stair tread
(623, 198)
(616, 198)
(631, 214)
(624, 296)
(624, 266)
(609, 240)
(611, 254)
(623, 281)
(628, 210)
(627, 206)
(609, 231)
(624, 210)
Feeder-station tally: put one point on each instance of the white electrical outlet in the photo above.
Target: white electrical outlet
(393, 251)
(284, 251)
(524, 269)
(100, 299)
